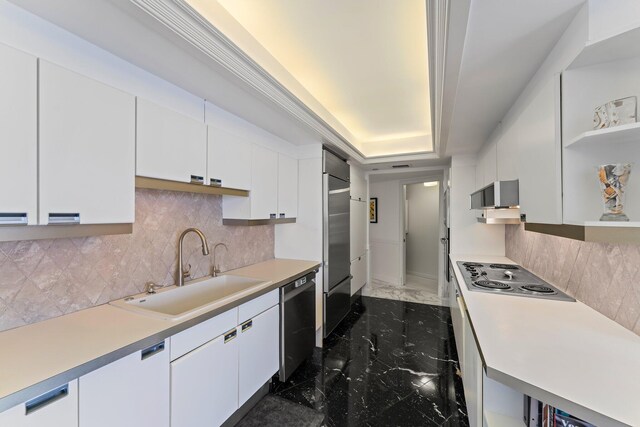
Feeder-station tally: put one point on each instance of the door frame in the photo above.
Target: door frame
(401, 230)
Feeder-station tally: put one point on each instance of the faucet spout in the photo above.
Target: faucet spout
(205, 251)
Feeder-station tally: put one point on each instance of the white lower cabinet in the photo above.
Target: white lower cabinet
(259, 352)
(471, 373)
(132, 391)
(204, 383)
(359, 273)
(55, 408)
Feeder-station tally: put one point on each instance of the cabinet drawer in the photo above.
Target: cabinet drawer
(256, 306)
(56, 408)
(195, 336)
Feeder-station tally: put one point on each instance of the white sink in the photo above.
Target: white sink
(174, 303)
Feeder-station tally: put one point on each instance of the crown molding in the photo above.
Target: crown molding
(186, 23)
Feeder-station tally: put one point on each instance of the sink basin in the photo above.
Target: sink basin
(175, 303)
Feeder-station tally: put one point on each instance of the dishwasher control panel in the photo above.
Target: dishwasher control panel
(300, 281)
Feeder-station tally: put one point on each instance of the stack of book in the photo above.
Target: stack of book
(540, 414)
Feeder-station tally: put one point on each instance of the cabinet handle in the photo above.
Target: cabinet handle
(213, 182)
(46, 399)
(154, 349)
(231, 335)
(247, 325)
(13, 218)
(64, 218)
(196, 179)
(272, 216)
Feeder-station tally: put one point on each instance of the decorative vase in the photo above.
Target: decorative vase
(613, 181)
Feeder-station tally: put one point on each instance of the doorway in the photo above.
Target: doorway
(421, 236)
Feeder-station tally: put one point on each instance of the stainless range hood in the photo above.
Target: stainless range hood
(499, 202)
(497, 195)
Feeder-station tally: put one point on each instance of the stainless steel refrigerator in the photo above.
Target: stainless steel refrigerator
(337, 268)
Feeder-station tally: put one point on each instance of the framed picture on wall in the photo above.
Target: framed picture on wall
(373, 210)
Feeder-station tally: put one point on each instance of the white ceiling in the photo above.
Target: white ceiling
(364, 62)
(506, 42)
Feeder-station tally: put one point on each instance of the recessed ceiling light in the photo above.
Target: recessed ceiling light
(431, 184)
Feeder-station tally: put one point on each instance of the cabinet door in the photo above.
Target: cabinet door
(358, 228)
(539, 156)
(358, 184)
(131, 391)
(204, 384)
(56, 408)
(18, 137)
(228, 159)
(259, 351)
(359, 273)
(264, 183)
(86, 149)
(287, 187)
(170, 145)
(471, 373)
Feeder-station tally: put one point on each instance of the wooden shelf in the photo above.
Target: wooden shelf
(591, 231)
(618, 47)
(617, 134)
(163, 184)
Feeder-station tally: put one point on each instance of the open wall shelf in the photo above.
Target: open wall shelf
(601, 233)
(618, 47)
(613, 135)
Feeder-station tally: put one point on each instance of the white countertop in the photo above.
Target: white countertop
(36, 357)
(563, 353)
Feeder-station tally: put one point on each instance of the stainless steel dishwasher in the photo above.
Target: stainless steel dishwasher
(297, 323)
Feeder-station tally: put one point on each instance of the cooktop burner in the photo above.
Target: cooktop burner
(504, 266)
(539, 289)
(472, 264)
(491, 284)
(507, 279)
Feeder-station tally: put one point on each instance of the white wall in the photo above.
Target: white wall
(384, 237)
(423, 244)
(607, 18)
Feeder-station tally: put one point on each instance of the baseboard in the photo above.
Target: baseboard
(423, 275)
(247, 406)
(392, 281)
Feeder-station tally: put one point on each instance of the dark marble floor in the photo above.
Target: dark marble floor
(390, 363)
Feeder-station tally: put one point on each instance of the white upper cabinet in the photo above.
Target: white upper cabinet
(170, 145)
(132, 391)
(539, 156)
(273, 190)
(507, 155)
(264, 183)
(489, 163)
(18, 137)
(358, 184)
(228, 159)
(287, 187)
(86, 150)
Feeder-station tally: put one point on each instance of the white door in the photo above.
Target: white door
(86, 149)
(264, 183)
(259, 351)
(131, 391)
(170, 145)
(287, 187)
(56, 408)
(228, 159)
(204, 384)
(18, 137)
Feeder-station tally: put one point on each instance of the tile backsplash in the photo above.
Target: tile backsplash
(41, 279)
(604, 276)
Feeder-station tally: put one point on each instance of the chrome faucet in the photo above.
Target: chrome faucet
(182, 274)
(216, 267)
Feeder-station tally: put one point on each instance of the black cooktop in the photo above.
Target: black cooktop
(508, 279)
